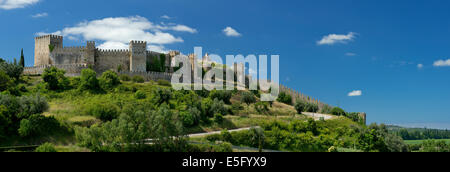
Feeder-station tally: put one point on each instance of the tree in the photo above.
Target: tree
(109, 80)
(12, 70)
(55, 79)
(285, 98)
(89, 80)
(257, 138)
(162, 96)
(22, 59)
(300, 107)
(338, 111)
(248, 98)
(5, 81)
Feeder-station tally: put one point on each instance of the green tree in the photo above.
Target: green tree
(55, 79)
(109, 80)
(248, 98)
(12, 70)
(89, 80)
(163, 62)
(5, 81)
(338, 111)
(300, 106)
(285, 98)
(162, 96)
(22, 59)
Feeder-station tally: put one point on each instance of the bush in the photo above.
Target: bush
(262, 107)
(125, 77)
(226, 136)
(300, 107)
(191, 117)
(218, 107)
(109, 80)
(55, 79)
(75, 82)
(248, 98)
(38, 125)
(338, 111)
(164, 83)
(162, 96)
(32, 105)
(140, 95)
(46, 147)
(218, 118)
(88, 80)
(225, 96)
(103, 111)
(311, 107)
(285, 98)
(138, 79)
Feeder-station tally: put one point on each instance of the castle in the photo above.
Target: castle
(49, 51)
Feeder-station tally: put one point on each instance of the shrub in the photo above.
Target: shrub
(285, 98)
(225, 96)
(218, 118)
(218, 107)
(338, 111)
(300, 107)
(55, 79)
(164, 83)
(102, 111)
(202, 93)
(262, 107)
(226, 136)
(46, 147)
(191, 117)
(311, 107)
(140, 95)
(38, 125)
(109, 80)
(138, 79)
(89, 80)
(75, 82)
(162, 96)
(248, 98)
(32, 105)
(125, 77)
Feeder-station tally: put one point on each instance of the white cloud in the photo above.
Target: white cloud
(355, 93)
(183, 28)
(442, 63)
(40, 15)
(335, 38)
(231, 32)
(13, 4)
(166, 17)
(113, 45)
(157, 48)
(116, 33)
(420, 66)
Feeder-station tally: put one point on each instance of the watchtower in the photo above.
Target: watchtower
(89, 56)
(138, 56)
(44, 45)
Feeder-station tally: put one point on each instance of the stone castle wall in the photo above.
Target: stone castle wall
(111, 60)
(68, 55)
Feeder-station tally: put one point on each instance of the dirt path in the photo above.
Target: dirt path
(317, 116)
(218, 132)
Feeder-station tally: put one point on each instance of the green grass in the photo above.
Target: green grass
(417, 142)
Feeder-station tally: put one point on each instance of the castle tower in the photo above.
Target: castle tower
(172, 55)
(44, 45)
(89, 56)
(138, 56)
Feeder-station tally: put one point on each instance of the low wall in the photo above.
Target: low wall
(71, 69)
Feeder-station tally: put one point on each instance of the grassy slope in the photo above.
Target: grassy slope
(68, 107)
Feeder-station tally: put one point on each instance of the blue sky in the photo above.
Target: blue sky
(394, 52)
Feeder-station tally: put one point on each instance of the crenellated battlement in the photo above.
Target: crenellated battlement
(49, 36)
